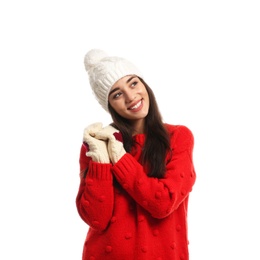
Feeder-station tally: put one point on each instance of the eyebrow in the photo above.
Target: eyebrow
(115, 89)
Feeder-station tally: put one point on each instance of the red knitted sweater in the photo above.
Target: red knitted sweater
(132, 216)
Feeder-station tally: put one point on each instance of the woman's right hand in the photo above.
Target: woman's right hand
(97, 148)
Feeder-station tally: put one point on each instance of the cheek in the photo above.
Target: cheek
(146, 97)
(144, 93)
(148, 104)
(116, 105)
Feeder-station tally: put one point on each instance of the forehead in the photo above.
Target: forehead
(123, 81)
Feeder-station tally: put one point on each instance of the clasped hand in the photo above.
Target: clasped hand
(105, 144)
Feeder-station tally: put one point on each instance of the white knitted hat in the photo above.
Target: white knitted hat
(104, 71)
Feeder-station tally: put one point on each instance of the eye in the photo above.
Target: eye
(134, 83)
(117, 95)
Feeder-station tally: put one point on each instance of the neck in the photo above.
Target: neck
(138, 126)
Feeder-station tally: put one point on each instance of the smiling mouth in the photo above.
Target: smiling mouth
(136, 105)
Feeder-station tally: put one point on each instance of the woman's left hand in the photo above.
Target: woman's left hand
(115, 145)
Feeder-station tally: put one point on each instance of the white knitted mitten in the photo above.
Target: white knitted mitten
(115, 145)
(97, 148)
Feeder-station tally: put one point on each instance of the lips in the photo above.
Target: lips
(137, 106)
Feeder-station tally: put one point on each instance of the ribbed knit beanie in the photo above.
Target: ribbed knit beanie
(104, 71)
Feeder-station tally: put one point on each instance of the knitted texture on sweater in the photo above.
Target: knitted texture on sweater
(132, 216)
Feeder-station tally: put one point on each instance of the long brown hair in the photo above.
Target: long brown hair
(157, 142)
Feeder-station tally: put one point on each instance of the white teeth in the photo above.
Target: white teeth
(137, 105)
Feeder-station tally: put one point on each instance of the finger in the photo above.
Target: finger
(95, 127)
(90, 154)
(102, 135)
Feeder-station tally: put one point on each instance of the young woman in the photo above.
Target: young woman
(136, 174)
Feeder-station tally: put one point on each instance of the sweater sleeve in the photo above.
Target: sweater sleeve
(95, 198)
(162, 196)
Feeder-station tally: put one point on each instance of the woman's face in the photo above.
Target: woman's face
(129, 98)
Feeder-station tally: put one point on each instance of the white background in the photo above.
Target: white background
(202, 60)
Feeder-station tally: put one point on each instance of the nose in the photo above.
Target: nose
(129, 96)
